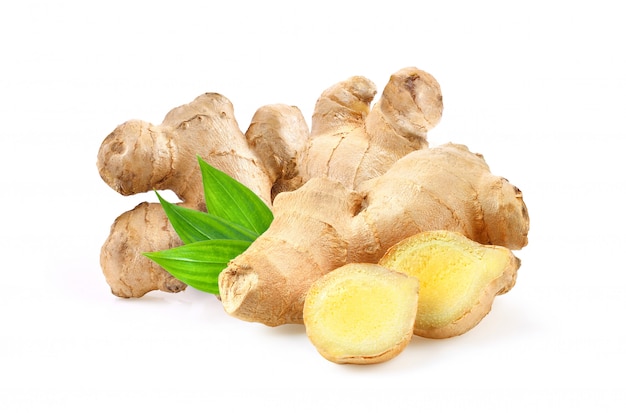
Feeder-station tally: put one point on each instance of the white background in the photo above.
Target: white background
(537, 87)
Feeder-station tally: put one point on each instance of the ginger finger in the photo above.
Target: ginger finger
(129, 273)
(352, 144)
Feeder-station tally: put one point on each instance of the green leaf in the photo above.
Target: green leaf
(233, 201)
(193, 226)
(199, 264)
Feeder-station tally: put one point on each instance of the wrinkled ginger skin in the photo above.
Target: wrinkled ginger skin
(270, 280)
(352, 144)
(442, 188)
(278, 134)
(324, 225)
(273, 156)
(410, 106)
(139, 157)
(126, 270)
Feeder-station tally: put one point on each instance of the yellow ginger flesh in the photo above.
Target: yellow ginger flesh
(458, 279)
(361, 313)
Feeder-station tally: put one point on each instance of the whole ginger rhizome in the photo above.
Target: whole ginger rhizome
(358, 200)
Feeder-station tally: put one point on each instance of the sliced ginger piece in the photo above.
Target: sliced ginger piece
(458, 279)
(361, 313)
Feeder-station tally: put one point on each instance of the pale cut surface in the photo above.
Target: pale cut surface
(458, 278)
(361, 313)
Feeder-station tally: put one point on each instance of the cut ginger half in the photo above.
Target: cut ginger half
(458, 279)
(361, 313)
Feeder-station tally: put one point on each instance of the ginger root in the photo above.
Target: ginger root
(361, 313)
(351, 144)
(324, 225)
(139, 157)
(458, 279)
(375, 236)
(276, 154)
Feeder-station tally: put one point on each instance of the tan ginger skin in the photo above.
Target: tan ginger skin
(324, 225)
(276, 154)
(139, 157)
(351, 144)
(347, 208)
